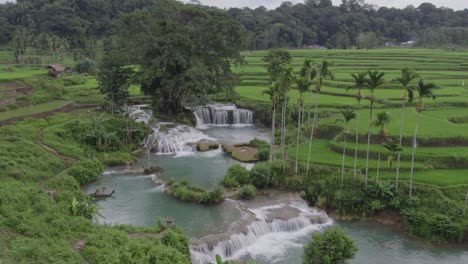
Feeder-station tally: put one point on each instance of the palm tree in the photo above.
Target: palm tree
(466, 203)
(308, 71)
(273, 92)
(407, 76)
(359, 84)
(393, 148)
(423, 90)
(383, 118)
(285, 82)
(322, 72)
(303, 84)
(347, 115)
(375, 80)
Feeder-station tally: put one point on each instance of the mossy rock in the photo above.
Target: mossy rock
(242, 152)
(206, 145)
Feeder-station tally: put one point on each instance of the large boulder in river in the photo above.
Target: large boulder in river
(242, 152)
(206, 145)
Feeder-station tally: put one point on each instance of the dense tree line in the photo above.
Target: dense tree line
(320, 22)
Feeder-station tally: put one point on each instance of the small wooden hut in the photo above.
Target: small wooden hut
(55, 70)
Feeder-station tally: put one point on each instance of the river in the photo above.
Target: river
(269, 229)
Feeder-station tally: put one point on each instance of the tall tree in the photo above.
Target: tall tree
(359, 80)
(285, 81)
(407, 76)
(393, 148)
(277, 61)
(303, 83)
(322, 72)
(423, 89)
(374, 80)
(347, 115)
(382, 119)
(114, 81)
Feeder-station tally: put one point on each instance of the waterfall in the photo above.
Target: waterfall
(222, 115)
(169, 138)
(269, 238)
(138, 113)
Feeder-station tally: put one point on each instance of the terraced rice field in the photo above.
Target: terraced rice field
(442, 153)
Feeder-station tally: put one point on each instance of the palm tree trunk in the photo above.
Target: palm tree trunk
(273, 127)
(344, 155)
(298, 136)
(368, 139)
(466, 203)
(401, 142)
(378, 163)
(283, 150)
(314, 120)
(414, 152)
(356, 147)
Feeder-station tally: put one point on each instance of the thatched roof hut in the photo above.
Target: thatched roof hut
(55, 70)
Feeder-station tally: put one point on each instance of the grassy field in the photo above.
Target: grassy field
(448, 69)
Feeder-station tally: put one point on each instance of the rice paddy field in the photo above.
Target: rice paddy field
(442, 153)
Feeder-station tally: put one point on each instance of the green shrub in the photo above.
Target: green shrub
(261, 176)
(86, 66)
(73, 80)
(333, 246)
(212, 197)
(236, 176)
(263, 154)
(86, 171)
(247, 192)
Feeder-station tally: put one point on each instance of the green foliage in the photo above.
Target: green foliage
(333, 246)
(260, 176)
(86, 171)
(236, 176)
(186, 192)
(74, 80)
(86, 66)
(247, 192)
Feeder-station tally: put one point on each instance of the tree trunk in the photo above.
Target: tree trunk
(378, 163)
(298, 136)
(273, 127)
(414, 152)
(368, 139)
(283, 150)
(466, 203)
(356, 147)
(401, 142)
(314, 120)
(344, 155)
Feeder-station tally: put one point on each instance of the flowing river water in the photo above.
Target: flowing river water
(269, 229)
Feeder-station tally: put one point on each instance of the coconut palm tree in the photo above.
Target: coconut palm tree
(273, 92)
(466, 204)
(393, 148)
(347, 115)
(285, 82)
(375, 80)
(303, 84)
(423, 89)
(383, 118)
(322, 72)
(308, 71)
(359, 80)
(407, 76)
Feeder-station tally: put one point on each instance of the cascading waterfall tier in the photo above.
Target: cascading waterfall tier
(167, 138)
(170, 138)
(266, 236)
(222, 115)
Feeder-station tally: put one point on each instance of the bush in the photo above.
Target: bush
(261, 176)
(212, 197)
(247, 192)
(333, 246)
(236, 176)
(86, 171)
(263, 154)
(86, 66)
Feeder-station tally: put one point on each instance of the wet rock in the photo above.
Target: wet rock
(242, 152)
(206, 145)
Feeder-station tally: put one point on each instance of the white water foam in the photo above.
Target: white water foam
(262, 238)
(222, 115)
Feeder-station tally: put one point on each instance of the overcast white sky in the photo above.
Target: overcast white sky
(455, 4)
